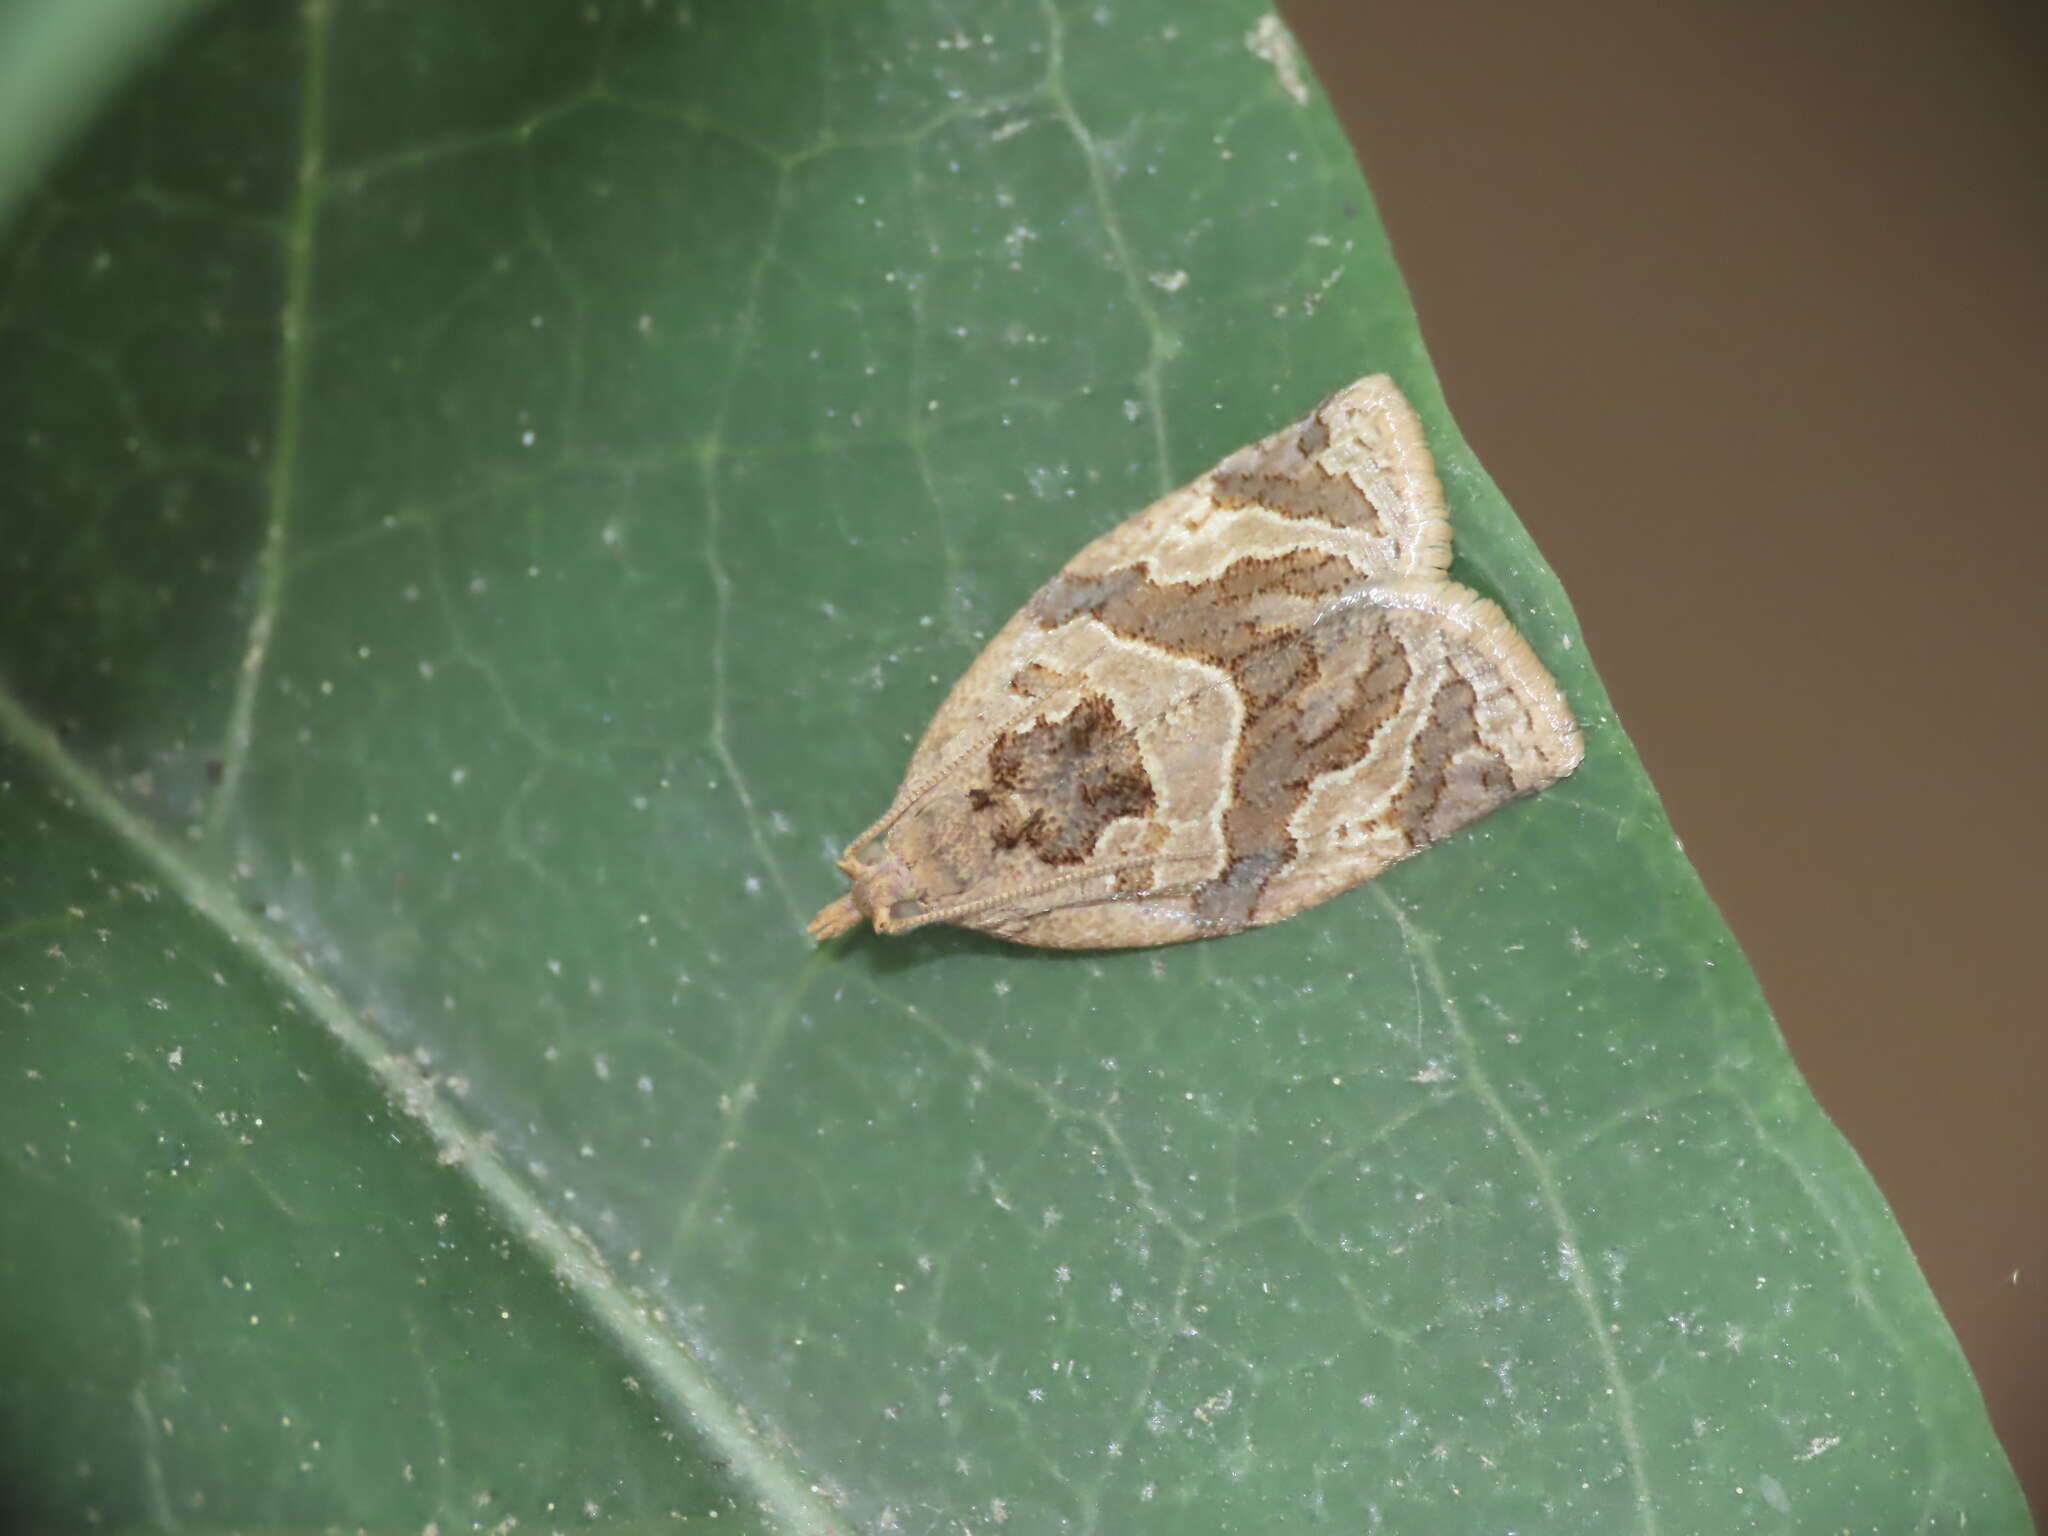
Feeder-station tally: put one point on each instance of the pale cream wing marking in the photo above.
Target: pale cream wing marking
(1354, 478)
(1532, 715)
(1376, 441)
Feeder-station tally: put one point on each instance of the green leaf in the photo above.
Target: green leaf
(491, 494)
(57, 62)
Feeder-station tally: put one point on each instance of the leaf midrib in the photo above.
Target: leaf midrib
(657, 1354)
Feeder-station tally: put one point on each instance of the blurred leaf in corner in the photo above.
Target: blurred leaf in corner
(59, 59)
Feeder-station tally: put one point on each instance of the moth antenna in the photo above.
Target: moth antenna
(946, 914)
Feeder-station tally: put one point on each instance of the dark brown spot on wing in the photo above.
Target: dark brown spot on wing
(1056, 785)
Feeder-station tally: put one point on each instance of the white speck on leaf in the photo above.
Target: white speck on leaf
(1269, 40)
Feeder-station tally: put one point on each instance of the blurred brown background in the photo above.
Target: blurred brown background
(1744, 309)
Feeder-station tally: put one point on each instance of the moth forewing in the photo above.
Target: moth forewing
(1252, 695)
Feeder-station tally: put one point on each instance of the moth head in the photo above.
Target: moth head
(884, 891)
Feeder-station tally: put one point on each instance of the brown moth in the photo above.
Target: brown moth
(1258, 692)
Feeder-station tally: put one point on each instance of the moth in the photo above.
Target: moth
(1260, 691)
